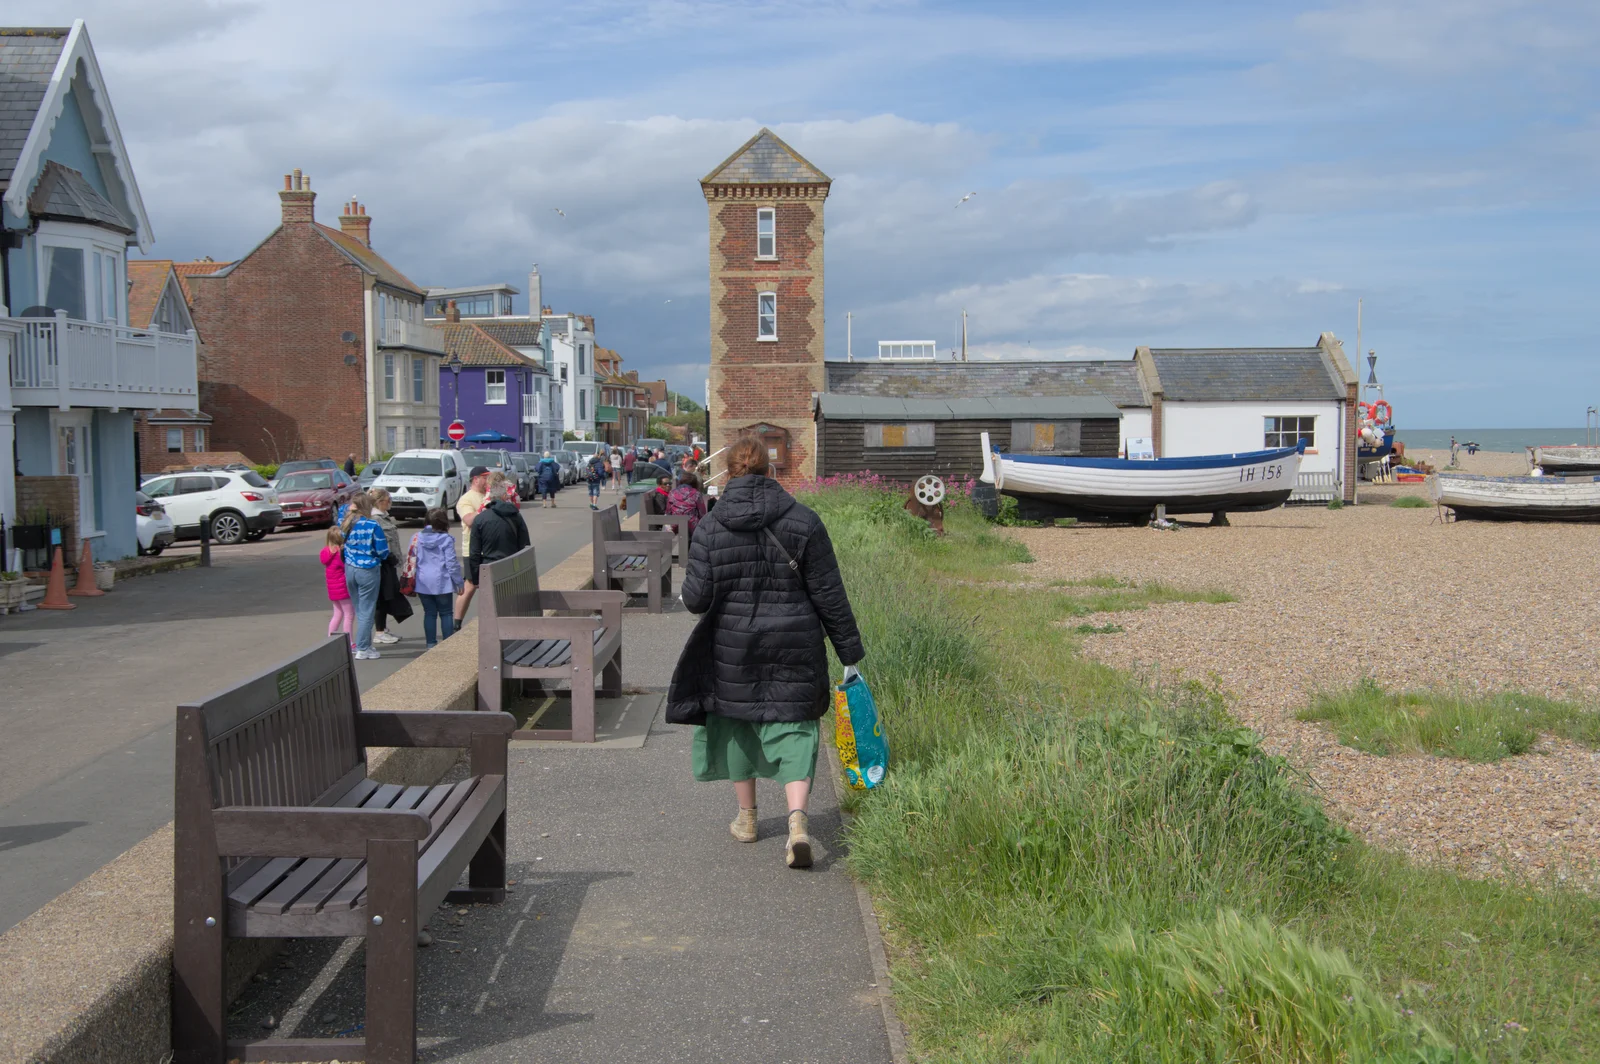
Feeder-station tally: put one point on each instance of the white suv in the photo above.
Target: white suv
(240, 504)
(422, 480)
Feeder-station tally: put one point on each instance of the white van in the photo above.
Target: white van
(421, 480)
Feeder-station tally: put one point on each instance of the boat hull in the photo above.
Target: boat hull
(1119, 488)
(1568, 498)
(1567, 459)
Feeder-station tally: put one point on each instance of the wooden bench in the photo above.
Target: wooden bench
(280, 834)
(516, 641)
(621, 557)
(680, 536)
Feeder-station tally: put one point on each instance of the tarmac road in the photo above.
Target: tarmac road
(87, 697)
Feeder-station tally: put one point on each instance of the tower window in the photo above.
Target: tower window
(767, 316)
(766, 233)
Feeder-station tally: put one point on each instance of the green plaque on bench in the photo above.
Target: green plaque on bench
(288, 681)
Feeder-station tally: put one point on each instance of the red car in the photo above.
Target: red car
(312, 497)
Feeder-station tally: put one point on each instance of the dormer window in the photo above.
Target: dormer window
(766, 233)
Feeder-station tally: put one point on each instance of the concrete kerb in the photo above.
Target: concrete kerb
(88, 978)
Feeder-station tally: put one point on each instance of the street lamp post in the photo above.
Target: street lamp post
(455, 370)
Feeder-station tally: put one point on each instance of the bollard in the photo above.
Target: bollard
(205, 541)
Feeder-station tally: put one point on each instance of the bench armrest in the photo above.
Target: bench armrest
(377, 727)
(310, 831)
(643, 546)
(579, 630)
(651, 535)
(609, 603)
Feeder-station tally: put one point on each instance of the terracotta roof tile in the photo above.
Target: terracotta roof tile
(147, 279)
(475, 347)
(186, 270)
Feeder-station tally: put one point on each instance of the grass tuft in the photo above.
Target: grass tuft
(1411, 502)
(1098, 629)
(1471, 727)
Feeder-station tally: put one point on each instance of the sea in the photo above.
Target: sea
(1512, 440)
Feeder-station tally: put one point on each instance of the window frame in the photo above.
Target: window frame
(390, 390)
(94, 245)
(914, 436)
(770, 216)
(1272, 427)
(489, 383)
(762, 317)
(391, 438)
(419, 379)
(199, 439)
(1074, 429)
(170, 434)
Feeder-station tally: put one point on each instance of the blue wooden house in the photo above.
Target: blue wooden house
(76, 369)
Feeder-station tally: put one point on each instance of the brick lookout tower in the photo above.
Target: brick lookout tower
(765, 205)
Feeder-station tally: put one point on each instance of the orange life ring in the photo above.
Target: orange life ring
(1388, 412)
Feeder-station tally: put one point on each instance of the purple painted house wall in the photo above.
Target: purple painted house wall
(480, 415)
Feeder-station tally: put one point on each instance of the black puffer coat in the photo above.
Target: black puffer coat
(497, 532)
(757, 653)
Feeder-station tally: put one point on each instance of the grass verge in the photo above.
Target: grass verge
(1472, 727)
(1077, 865)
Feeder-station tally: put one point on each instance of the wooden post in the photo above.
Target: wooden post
(391, 952)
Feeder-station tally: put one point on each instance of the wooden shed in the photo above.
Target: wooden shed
(908, 438)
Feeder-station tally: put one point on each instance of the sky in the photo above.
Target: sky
(1167, 174)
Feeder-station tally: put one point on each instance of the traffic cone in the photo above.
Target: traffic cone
(85, 585)
(55, 592)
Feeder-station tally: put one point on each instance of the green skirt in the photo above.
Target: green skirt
(728, 749)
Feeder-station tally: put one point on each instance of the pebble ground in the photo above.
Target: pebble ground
(1327, 597)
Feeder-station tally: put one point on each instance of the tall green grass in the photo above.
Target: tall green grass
(1066, 855)
(1449, 724)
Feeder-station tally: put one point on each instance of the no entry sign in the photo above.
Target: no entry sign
(457, 431)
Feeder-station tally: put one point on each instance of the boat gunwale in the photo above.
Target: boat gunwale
(1201, 461)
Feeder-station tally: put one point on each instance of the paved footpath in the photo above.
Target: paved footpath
(637, 929)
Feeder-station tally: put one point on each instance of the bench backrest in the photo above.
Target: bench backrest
(283, 737)
(607, 529)
(512, 586)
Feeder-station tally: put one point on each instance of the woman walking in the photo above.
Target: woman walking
(754, 673)
(438, 576)
(549, 479)
(365, 547)
(344, 610)
(381, 501)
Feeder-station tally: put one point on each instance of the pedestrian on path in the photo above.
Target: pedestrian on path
(596, 476)
(548, 480)
(381, 502)
(467, 508)
(350, 466)
(438, 576)
(499, 532)
(754, 673)
(365, 547)
(686, 499)
(629, 460)
(614, 466)
(344, 610)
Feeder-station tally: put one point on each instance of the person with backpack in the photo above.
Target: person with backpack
(596, 476)
(753, 674)
(687, 500)
(547, 479)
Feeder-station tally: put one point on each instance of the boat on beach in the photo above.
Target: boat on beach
(1565, 459)
(1547, 498)
(1053, 486)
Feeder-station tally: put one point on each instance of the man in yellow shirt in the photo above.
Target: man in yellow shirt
(472, 500)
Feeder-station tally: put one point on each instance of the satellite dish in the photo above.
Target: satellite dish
(348, 337)
(929, 490)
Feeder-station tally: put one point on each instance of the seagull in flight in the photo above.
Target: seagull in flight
(664, 301)
(559, 211)
(964, 199)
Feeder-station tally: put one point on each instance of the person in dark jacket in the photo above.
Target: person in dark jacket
(549, 479)
(498, 531)
(754, 673)
(350, 466)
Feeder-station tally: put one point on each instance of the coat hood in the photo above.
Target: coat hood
(752, 502)
(503, 507)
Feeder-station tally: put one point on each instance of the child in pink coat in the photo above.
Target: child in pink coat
(344, 610)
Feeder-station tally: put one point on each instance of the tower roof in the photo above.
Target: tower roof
(765, 159)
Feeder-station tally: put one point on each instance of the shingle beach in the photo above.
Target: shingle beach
(1326, 597)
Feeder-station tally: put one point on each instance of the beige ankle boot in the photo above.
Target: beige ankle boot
(744, 825)
(798, 852)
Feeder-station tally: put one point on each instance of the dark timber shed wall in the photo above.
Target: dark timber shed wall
(956, 450)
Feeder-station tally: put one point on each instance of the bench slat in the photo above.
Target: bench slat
(448, 848)
(283, 896)
(335, 873)
(353, 893)
(261, 881)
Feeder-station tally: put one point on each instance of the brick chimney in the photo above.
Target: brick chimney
(298, 199)
(452, 312)
(354, 222)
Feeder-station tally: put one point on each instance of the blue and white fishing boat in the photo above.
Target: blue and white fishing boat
(1049, 486)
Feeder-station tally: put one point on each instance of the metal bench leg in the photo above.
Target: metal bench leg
(391, 1028)
(611, 676)
(583, 695)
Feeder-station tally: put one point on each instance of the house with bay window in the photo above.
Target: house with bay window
(316, 345)
(78, 369)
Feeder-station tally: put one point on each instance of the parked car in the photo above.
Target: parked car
(241, 506)
(583, 448)
(569, 466)
(644, 447)
(492, 459)
(152, 525)
(524, 466)
(369, 475)
(312, 497)
(307, 463)
(425, 479)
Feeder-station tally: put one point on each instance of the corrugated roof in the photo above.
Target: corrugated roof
(766, 160)
(28, 58)
(369, 260)
(1116, 380)
(863, 407)
(1190, 374)
(475, 347)
(64, 193)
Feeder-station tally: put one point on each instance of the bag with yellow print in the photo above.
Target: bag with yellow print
(863, 748)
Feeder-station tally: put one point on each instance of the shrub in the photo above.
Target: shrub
(268, 470)
(1336, 504)
(1410, 502)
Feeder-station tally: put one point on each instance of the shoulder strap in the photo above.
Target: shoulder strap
(794, 565)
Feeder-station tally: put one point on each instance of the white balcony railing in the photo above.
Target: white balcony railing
(397, 332)
(530, 408)
(64, 362)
